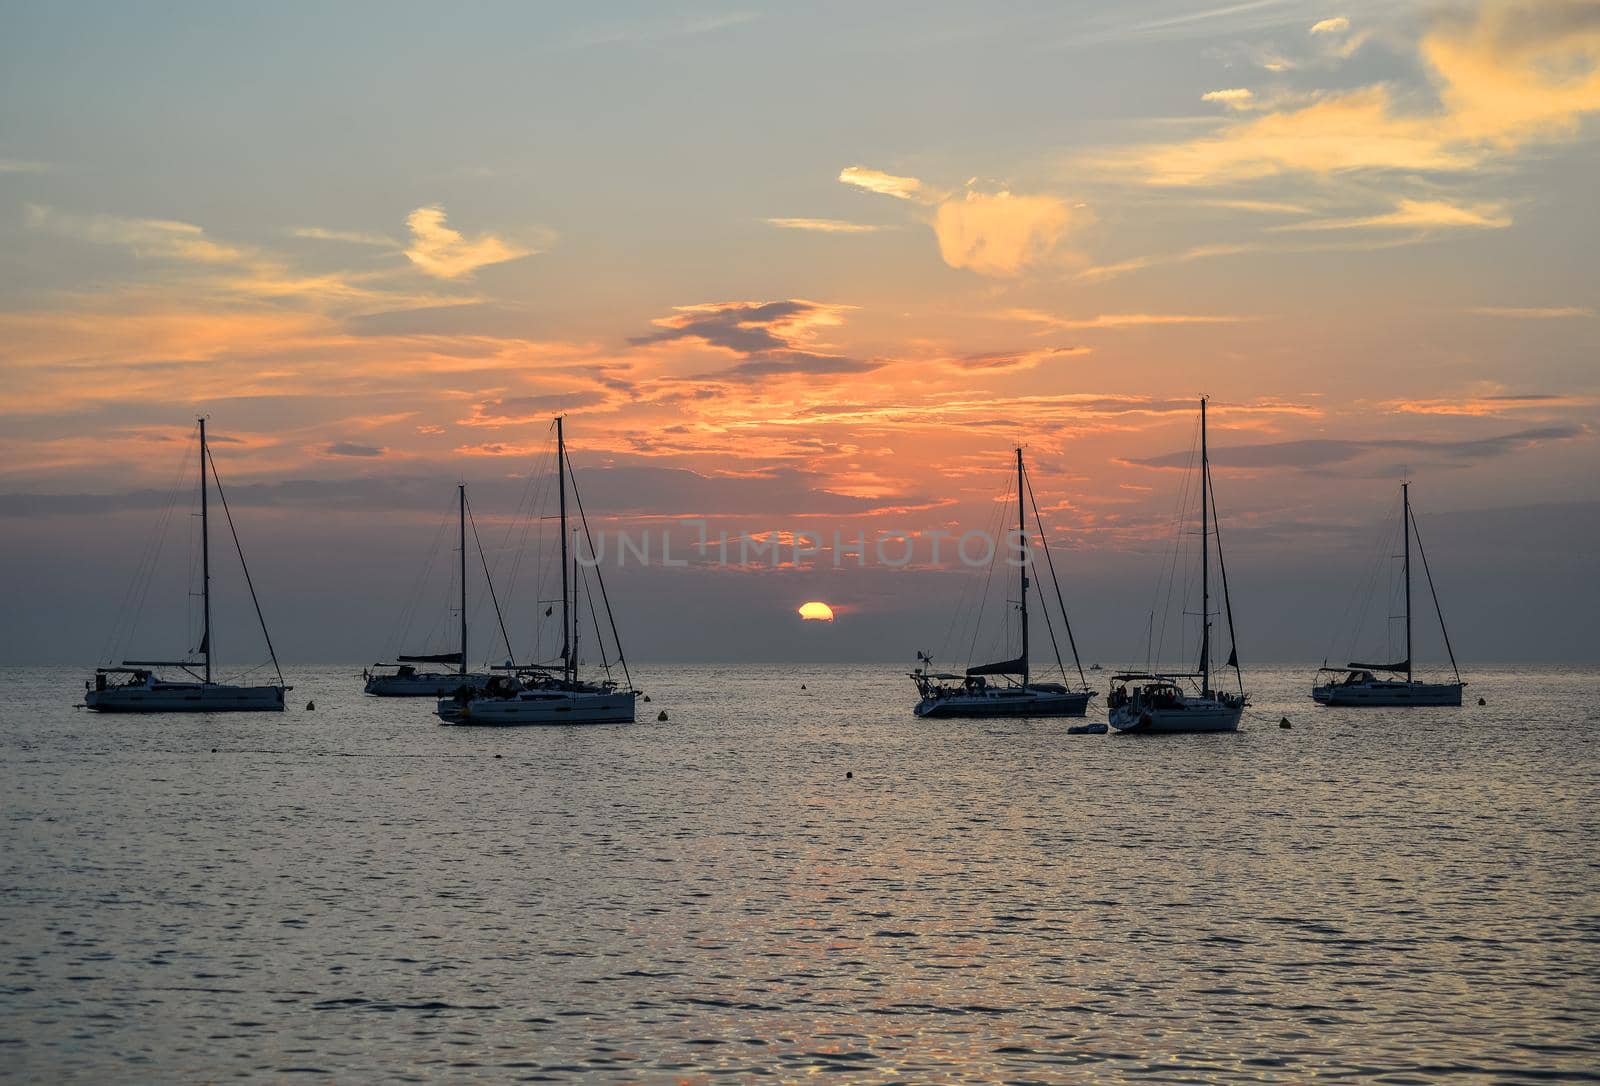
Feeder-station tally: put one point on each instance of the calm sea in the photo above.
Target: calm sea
(783, 882)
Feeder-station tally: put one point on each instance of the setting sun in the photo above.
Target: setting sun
(816, 611)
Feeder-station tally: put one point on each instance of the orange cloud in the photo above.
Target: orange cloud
(1512, 73)
(446, 253)
(1120, 320)
(999, 233)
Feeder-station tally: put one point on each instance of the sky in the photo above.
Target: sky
(807, 268)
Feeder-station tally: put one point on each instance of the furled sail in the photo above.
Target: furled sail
(1001, 667)
(437, 658)
(1401, 665)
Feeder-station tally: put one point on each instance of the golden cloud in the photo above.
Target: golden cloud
(448, 254)
(885, 184)
(1513, 73)
(999, 233)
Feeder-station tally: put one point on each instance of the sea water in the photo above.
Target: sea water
(791, 875)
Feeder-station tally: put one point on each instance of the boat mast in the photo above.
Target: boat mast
(1205, 560)
(1405, 527)
(205, 553)
(461, 521)
(566, 616)
(1022, 535)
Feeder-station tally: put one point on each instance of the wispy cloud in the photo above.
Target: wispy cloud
(1487, 405)
(16, 165)
(1552, 312)
(441, 251)
(146, 237)
(1014, 361)
(1336, 25)
(353, 237)
(1416, 213)
(1232, 97)
(1509, 74)
(825, 226)
(1120, 320)
(885, 184)
(1331, 452)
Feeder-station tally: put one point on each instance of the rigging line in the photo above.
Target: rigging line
(535, 495)
(489, 582)
(528, 503)
(600, 577)
(988, 576)
(1417, 535)
(123, 626)
(1179, 551)
(1054, 647)
(1044, 608)
(1227, 600)
(244, 566)
(1356, 601)
(1044, 545)
(408, 612)
(969, 606)
(594, 617)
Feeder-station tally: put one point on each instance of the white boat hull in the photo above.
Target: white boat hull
(1198, 715)
(1006, 702)
(1387, 694)
(541, 707)
(164, 697)
(426, 685)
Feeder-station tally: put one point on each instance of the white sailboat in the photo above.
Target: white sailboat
(137, 686)
(1356, 684)
(409, 676)
(1165, 702)
(553, 694)
(973, 694)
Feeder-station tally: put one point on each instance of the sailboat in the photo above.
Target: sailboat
(554, 694)
(405, 680)
(1159, 702)
(973, 694)
(135, 686)
(1356, 684)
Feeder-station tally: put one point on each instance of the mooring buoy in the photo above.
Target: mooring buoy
(647, 697)
(662, 715)
(1284, 723)
(311, 706)
(1482, 702)
(849, 776)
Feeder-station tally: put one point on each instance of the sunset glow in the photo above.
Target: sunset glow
(1366, 234)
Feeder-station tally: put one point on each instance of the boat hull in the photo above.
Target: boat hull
(1206, 716)
(549, 709)
(1387, 695)
(428, 685)
(1005, 703)
(186, 698)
